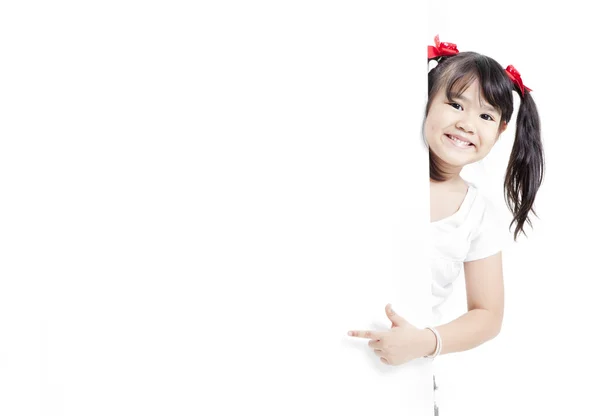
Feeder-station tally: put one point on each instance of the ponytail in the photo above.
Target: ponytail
(525, 170)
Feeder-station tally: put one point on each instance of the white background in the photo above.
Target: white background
(197, 202)
(544, 360)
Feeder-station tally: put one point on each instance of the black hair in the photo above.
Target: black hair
(525, 171)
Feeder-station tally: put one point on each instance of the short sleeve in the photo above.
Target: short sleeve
(490, 235)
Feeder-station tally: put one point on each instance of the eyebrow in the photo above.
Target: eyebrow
(483, 106)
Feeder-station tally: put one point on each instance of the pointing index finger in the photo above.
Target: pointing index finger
(364, 334)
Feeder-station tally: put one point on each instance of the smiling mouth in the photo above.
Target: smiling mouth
(458, 142)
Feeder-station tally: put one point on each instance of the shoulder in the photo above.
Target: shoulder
(481, 205)
(488, 232)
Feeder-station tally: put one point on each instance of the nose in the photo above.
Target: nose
(465, 124)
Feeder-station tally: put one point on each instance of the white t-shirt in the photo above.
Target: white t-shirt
(473, 232)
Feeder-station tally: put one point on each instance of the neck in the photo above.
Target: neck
(451, 175)
(452, 180)
(445, 171)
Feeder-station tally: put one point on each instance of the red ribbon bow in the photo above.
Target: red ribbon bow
(441, 49)
(515, 76)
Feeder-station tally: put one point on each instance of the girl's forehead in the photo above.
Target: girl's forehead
(464, 85)
(471, 91)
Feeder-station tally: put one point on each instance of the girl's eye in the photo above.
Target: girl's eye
(455, 105)
(487, 117)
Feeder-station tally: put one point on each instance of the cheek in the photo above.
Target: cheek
(486, 145)
(428, 133)
(488, 139)
(437, 119)
(431, 127)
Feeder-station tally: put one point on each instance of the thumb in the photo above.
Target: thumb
(397, 320)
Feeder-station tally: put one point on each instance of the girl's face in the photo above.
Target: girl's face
(462, 130)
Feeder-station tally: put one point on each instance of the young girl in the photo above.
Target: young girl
(470, 104)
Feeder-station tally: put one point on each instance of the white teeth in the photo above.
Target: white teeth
(460, 142)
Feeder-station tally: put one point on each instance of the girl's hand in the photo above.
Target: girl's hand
(402, 343)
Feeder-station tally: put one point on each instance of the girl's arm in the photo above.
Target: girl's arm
(485, 303)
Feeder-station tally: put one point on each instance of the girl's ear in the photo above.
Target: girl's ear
(501, 129)
(503, 126)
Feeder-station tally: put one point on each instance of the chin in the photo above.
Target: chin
(456, 158)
